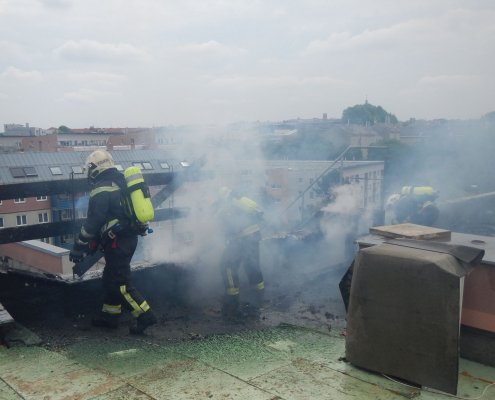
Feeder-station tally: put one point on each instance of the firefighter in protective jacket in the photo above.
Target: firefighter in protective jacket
(109, 225)
(239, 218)
(416, 205)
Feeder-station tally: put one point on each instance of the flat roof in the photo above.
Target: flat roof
(45, 247)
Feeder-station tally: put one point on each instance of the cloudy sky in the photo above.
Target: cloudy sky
(160, 62)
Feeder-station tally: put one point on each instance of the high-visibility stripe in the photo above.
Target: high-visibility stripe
(249, 231)
(138, 310)
(104, 189)
(133, 177)
(233, 291)
(231, 279)
(82, 242)
(111, 309)
(259, 286)
(108, 225)
(85, 233)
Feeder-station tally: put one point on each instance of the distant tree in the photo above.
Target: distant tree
(360, 114)
(327, 182)
(63, 129)
(490, 117)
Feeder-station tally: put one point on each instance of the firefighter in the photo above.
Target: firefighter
(416, 205)
(109, 225)
(239, 218)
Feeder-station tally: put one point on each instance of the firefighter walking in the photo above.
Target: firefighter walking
(239, 217)
(110, 224)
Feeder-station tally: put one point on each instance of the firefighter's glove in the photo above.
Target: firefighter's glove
(77, 253)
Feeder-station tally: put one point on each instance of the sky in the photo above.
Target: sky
(117, 63)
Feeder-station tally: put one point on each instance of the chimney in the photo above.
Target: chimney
(324, 116)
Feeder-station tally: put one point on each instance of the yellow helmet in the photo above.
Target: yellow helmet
(224, 192)
(97, 162)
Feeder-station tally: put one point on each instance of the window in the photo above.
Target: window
(30, 171)
(85, 213)
(1, 222)
(278, 200)
(21, 220)
(17, 172)
(69, 236)
(22, 172)
(56, 170)
(42, 217)
(311, 195)
(184, 164)
(266, 173)
(300, 180)
(0, 202)
(158, 187)
(41, 198)
(147, 165)
(164, 165)
(45, 240)
(160, 141)
(119, 167)
(77, 170)
(21, 200)
(247, 172)
(138, 164)
(185, 184)
(159, 224)
(66, 214)
(300, 208)
(121, 141)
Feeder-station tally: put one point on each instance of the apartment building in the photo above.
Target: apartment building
(26, 211)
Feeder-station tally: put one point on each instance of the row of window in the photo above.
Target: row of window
(22, 219)
(24, 172)
(23, 200)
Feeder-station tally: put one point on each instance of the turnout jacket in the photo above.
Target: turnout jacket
(235, 223)
(105, 207)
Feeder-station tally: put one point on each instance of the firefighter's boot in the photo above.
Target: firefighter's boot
(106, 321)
(231, 307)
(143, 321)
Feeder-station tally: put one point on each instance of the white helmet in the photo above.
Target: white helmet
(97, 162)
(392, 200)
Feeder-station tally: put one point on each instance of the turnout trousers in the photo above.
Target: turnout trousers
(243, 251)
(117, 278)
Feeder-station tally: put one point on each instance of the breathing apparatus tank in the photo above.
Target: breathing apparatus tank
(243, 204)
(418, 191)
(140, 195)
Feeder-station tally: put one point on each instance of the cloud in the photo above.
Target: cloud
(62, 4)
(87, 95)
(450, 29)
(13, 74)
(449, 80)
(93, 51)
(97, 78)
(212, 48)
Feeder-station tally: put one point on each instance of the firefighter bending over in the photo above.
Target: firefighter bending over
(415, 205)
(239, 218)
(113, 228)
